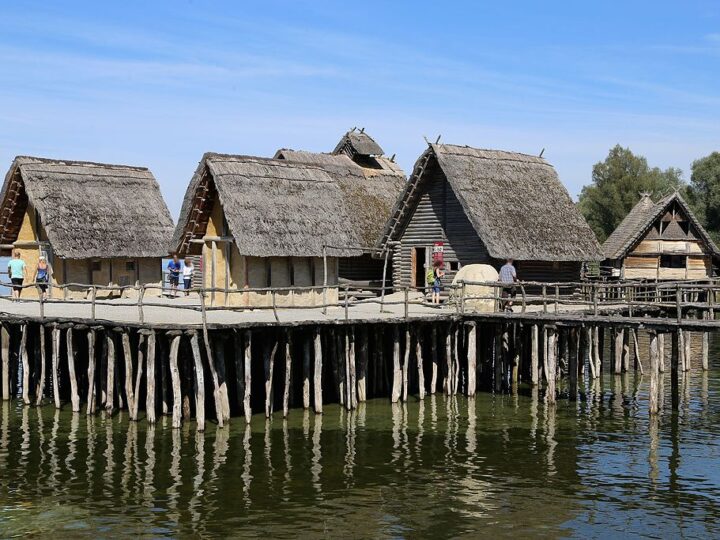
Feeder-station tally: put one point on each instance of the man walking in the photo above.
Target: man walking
(508, 277)
(17, 271)
(174, 274)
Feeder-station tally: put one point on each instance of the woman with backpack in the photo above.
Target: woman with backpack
(437, 274)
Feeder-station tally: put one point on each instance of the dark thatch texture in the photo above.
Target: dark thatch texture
(639, 221)
(369, 192)
(515, 202)
(90, 210)
(358, 142)
(274, 208)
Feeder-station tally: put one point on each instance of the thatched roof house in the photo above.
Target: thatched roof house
(264, 223)
(660, 240)
(483, 206)
(85, 213)
(370, 184)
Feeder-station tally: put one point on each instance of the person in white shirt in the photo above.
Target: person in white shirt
(508, 277)
(188, 270)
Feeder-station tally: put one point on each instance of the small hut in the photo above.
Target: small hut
(660, 241)
(97, 224)
(370, 184)
(464, 206)
(261, 222)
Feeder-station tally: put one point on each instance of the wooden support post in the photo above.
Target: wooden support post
(504, 350)
(362, 338)
(471, 358)
(110, 375)
(238, 350)
(397, 372)
(288, 374)
(306, 373)
(626, 351)
(74, 395)
(269, 365)
(677, 347)
(199, 382)
(352, 375)
(456, 361)
(515, 362)
(248, 379)
(705, 350)
(317, 371)
(25, 364)
(220, 396)
(175, 378)
(681, 349)
(346, 368)
(129, 391)
(447, 384)
(420, 367)
(551, 365)
(406, 363)
(5, 343)
(661, 353)
(619, 337)
(499, 358)
(91, 393)
(138, 377)
(654, 386)
(688, 351)
(150, 378)
(56, 365)
(636, 348)
(534, 354)
(573, 363)
(434, 358)
(597, 350)
(590, 348)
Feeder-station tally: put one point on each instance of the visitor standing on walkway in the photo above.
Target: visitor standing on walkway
(188, 271)
(174, 268)
(508, 277)
(42, 275)
(17, 271)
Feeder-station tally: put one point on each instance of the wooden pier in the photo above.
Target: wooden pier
(190, 360)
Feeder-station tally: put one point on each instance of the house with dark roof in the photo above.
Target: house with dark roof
(259, 223)
(370, 184)
(465, 206)
(660, 240)
(97, 224)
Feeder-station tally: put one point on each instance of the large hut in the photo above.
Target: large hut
(464, 206)
(260, 223)
(370, 184)
(97, 224)
(660, 240)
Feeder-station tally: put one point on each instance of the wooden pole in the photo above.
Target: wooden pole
(150, 378)
(5, 338)
(221, 370)
(248, 379)
(534, 354)
(447, 384)
(110, 375)
(138, 377)
(199, 383)
(420, 370)
(397, 373)
(597, 350)
(269, 364)
(238, 350)
(220, 397)
(175, 378)
(91, 372)
(661, 353)
(573, 363)
(434, 358)
(127, 353)
(55, 365)
(456, 361)
(654, 387)
(619, 337)
(352, 374)
(674, 367)
(638, 362)
(317, 371)
(705, 350)
(551, 362)
(25, 364)
(688, 351)
(74, 395)
(362, 337)
(626, 351)
(498, 346)
(590, 346)
(681, 349)
(406, 363)
(472, 358)
(288, 375)
(306, 373)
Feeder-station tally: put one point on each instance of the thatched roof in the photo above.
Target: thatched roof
(640, 220)
(358, 142)
(369, 191)
(273, 208)
(88, 210)
(516, 203)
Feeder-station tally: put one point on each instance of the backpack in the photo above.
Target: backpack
(430, 277)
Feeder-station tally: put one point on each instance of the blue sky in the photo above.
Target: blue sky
(159, 83)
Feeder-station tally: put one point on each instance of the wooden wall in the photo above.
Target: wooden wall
(644, 261)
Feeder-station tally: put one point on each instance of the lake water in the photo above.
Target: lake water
(446, 467)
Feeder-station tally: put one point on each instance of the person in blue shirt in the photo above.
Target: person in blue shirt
(174, 268)
(17, 272)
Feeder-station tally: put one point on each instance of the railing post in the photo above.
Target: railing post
(274, 305)
(93, 296)
(557, 297)
(544, 298)
(677, 303)
(325, 279)
(42, 303)
(65, 292)
(524, 301)
(347, 316)
(406, 301)
(141, 294)
(462, 297)
(596, 293)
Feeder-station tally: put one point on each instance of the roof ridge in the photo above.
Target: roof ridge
(72, 162)
(507, 152)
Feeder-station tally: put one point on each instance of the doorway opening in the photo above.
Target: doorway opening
(419, 264)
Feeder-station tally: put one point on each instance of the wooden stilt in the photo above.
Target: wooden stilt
(705, 350)
(551, 365)
(175, 378)
(55, 365)
(447, 383)
(545, 353)
(110, 375)
(306, 373)
(456, 361)
(362, 364)
(239, 350)
(471, 358)
(534, 354)
(626, 351)
(221, 369)
(419, 363)
(248, 379)
(26, 365)
(164, 400)
(597, 350)
(220, 395)
(498, 346)
(636, 348)
(590, 347)
(199, 383)
(317, 371)
(269, 364)
(150, 378)
(661, 353)
(654, 373)
(677, 350)
(288, 375)
(352, 374)
(681, 349)
(504, 351)
(619, 337)
(406, 363)
(74, 395)
(5, 344)
(573, 363)
(138, 377)
(434, 358)
(91, 393)
(688, 351)
(129, 391)
(397, 372)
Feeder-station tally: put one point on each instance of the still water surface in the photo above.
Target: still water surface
(446, 467)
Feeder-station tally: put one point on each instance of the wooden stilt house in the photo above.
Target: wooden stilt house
(370, 184)
(660, 241)
(97, 224)
(467, 206)
(261, 223)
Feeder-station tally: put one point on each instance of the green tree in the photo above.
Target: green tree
(703, 193)
(616, 186)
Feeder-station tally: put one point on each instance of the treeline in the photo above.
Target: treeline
(618, 181)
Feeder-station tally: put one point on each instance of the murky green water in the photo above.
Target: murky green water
(505, 465)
